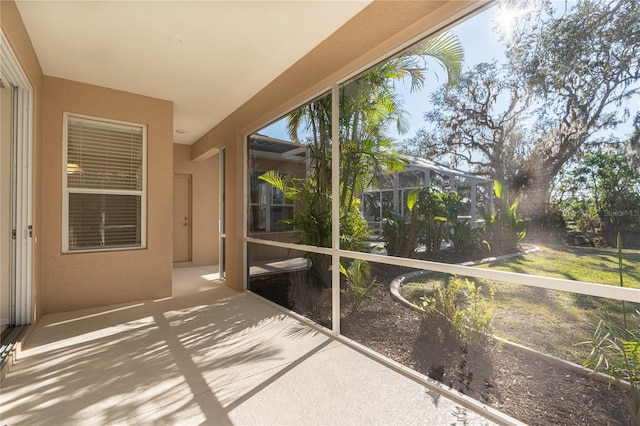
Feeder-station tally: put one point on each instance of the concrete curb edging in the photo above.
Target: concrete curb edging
(396, 283)
(572, 366)
(399, 281)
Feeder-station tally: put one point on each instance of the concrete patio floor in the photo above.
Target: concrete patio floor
(207, 355)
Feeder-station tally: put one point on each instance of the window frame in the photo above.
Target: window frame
(269, 205)
(66, 191)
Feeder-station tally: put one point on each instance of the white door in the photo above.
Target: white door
(181, 218)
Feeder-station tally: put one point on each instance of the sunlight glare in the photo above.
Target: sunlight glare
(507, 17)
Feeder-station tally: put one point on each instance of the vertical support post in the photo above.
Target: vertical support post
(335, 209)
(474, 203)
(221, 214)
(396, 193)
(245, 210)
(380, 211)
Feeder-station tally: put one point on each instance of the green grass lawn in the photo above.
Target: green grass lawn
(596, 265)
(548, 320)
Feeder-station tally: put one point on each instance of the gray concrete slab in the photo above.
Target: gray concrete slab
(207, 355)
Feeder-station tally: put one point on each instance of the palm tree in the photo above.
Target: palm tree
(368, 106)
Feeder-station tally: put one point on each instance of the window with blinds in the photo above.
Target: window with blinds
(104, 184)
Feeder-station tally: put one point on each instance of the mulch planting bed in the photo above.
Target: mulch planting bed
(519, 384)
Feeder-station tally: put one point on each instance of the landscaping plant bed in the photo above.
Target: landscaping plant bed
(519, 384)
(514, 381)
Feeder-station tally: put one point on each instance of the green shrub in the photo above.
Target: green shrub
(506, 228)
(615, 350)
(598, 193)
(433, 210)
(398, 235)
(429, 211)
(465, 307)
(359, 281)
(354, 229)
(581, 214)
(465, 238)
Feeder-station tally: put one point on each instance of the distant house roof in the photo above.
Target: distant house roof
(279, 148)
(421, 163)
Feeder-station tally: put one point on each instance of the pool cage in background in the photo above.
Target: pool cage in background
(475, 191)
(268, 207)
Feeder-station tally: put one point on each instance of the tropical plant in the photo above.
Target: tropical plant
(506, 227)
(429, 211)
(312, 227)
(466, 308)
(432, 210)
(354, 229)
(368, 106)
(615, 349)
(465, 238)
(398, 235)
(358, 280)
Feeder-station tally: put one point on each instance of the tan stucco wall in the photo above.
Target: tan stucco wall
(82, 280)
(381, 27)
(15, 32)
(205, 177)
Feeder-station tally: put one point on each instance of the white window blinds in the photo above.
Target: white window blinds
(105, 183)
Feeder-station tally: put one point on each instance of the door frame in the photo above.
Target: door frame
(22, 185)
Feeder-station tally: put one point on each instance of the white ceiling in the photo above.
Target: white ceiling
(208, 57)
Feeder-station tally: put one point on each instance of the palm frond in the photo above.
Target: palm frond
(447, 49)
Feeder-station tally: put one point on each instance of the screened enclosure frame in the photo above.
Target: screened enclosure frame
(336, 253)
(456, 179)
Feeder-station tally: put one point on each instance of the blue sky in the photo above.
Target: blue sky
(481, 43)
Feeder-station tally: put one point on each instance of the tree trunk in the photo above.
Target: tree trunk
(534, 198)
